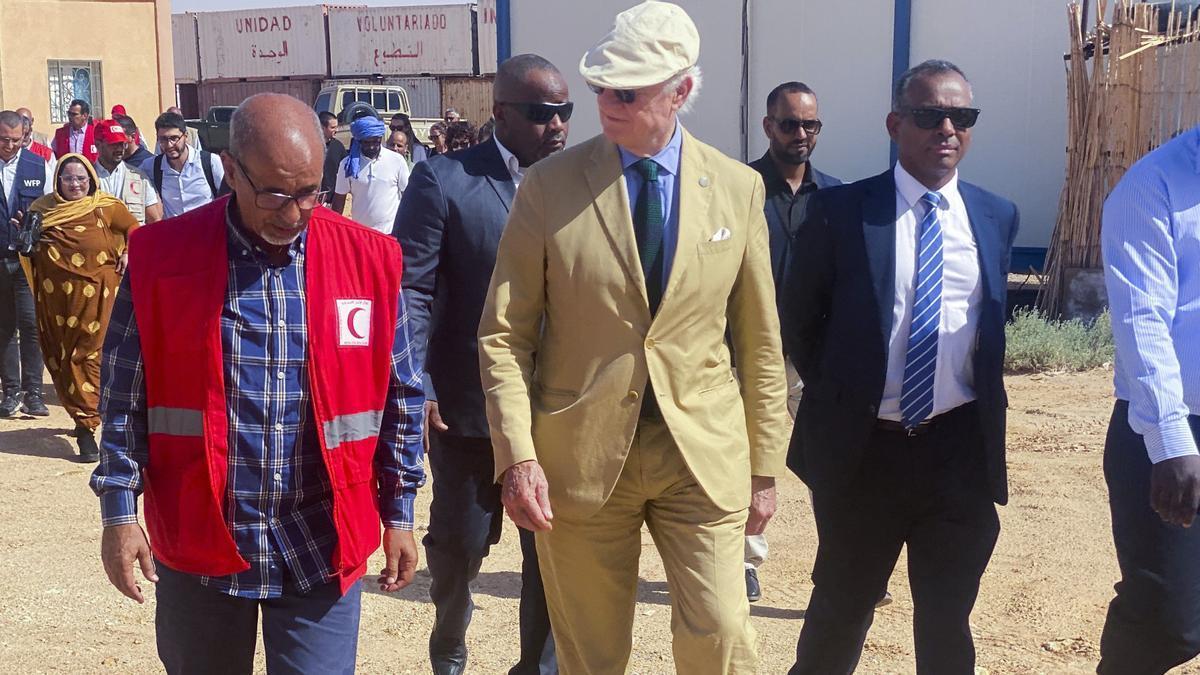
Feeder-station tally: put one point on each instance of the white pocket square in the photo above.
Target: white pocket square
(721, 234)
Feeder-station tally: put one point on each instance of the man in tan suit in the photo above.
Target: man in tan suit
(610, 393)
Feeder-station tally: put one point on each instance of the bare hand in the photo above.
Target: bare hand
(400, 551)
(762, 504)
(120, 547)
(526, 496)
(433, 417)
(1175, 489)
(122, 263)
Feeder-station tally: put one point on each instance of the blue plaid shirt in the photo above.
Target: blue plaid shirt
(278, 499)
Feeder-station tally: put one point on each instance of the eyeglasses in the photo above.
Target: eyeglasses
(931, 118)
(170, 140)
(623, 95)
(543, 113)
(275, 201)
(74, 180)
(789, 125)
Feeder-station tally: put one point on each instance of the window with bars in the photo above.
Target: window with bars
(70, 80)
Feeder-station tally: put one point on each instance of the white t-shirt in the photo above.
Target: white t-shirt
(375, 192)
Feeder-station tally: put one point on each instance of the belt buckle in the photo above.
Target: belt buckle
(911, 432)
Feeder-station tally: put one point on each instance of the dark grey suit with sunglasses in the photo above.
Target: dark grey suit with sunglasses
(449, 225)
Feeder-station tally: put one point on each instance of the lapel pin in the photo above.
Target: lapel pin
(703, 181)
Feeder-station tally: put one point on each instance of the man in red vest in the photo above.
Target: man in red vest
(261, 394)
(78, 135)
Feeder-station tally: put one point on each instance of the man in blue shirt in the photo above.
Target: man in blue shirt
(1151, 244)
(185, 177)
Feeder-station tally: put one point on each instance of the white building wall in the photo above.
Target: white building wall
(843, 50)
(563, 31)
(1012, 53)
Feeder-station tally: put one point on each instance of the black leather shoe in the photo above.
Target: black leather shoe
(34, 405)
(884, 601)
(9, 406)
(88, 450)
(753, 589)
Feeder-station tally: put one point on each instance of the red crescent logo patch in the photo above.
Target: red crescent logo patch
(354, 322)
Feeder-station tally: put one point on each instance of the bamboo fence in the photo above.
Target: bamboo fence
(1130, 87)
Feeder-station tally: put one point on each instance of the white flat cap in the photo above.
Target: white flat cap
(649, 44)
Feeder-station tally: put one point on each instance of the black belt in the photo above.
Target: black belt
(928, 425)
(898, 428)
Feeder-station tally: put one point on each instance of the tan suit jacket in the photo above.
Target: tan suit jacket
(567, 341)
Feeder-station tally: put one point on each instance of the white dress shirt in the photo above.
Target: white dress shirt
(185, 190)
(8, 177)
(376, 190)
(962, 289)
(511, 163)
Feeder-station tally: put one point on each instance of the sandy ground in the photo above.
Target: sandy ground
(1040, 610)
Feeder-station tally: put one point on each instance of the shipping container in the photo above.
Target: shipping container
(186, 48)
(265, 43)
(187, 97)
(470, 96)
(485, 36)
(424, 94)
(401, 40)
(233, 93)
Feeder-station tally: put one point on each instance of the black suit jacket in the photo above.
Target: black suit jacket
(449, 225)
(837, 317)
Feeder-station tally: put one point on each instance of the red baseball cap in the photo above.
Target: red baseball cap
(109, 131)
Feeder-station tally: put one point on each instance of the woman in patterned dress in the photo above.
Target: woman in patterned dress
(76, 266)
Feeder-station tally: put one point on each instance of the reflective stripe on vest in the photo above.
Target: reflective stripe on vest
(175, 421)
(353, 427)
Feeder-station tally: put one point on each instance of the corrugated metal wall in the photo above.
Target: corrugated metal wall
(424, 94)
(470, 96)
(233, 93)
(184, 43)
(188, 99)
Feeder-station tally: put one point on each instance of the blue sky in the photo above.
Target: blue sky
(218, 5)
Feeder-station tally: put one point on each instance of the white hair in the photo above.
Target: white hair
(697, 80)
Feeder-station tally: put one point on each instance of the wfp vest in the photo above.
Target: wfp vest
(30, 184)
(352, 286)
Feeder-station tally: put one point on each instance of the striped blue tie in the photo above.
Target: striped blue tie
(920, 362)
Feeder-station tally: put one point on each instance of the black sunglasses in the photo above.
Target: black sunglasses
(543, 113)
(623, 95)
(789, 125)
(931, 118)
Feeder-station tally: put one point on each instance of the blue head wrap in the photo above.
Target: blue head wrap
(360, 129)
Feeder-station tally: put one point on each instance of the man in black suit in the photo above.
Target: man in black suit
(791, 126)
(449, 225)
(894, 317)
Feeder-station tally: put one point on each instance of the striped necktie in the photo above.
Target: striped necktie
(920, 362)
(648, 228)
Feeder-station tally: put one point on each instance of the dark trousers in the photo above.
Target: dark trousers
(928, 492)
(1153, 622)
(464, 522)
(20, 365)
(202, 631)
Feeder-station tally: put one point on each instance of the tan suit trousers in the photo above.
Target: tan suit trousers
(590, 569)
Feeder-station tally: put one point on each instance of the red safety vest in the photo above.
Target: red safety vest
(179, 271)
(62, 141)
